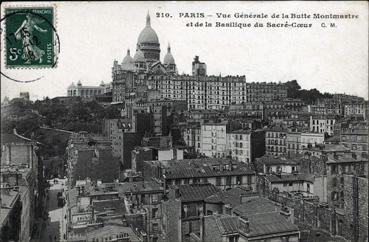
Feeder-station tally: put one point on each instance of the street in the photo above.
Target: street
(54, 228)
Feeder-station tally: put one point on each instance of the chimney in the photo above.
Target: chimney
(244, 225)
(202, 228)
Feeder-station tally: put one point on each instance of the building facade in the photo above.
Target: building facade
(275, 140)
(86, 92)
(322, 124)
(246, 145)
(214, 139)
(262, 92)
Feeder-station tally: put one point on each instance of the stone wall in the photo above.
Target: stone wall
(171, 222)
(356, 208)
(311, 214)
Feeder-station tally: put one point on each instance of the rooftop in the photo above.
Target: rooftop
(255, 206)
(109, 207)
(359, 131)
(264, 217)
(232, 196)
(192, 168)
(196, 192)
(329, 148)
(290, 177)
(345, 158)
(112, 229)
(226, 224)
(276, 160)
(139, 187)
(277, 128)
(270, 223)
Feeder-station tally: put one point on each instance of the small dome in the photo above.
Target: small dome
(79, 83)
(168, 59)
(139, 56)
(128, 62)
(127, 59)
(148, 35)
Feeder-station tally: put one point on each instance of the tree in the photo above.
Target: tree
(112, 112)
(293, 89)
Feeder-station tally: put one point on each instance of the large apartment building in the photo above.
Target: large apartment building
(214, 139)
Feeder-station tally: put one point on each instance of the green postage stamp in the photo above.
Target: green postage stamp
(31, 38)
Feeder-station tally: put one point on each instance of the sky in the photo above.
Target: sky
(94, 34)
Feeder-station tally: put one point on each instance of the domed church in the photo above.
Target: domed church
(142, 77)
(147, 56)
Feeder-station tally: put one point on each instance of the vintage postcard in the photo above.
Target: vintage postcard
(184, 121)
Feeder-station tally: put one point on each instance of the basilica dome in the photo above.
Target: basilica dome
(148, 35)
(169, 59)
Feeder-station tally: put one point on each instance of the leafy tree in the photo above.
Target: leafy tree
(112, 112)
(292, 89)
(308, 96)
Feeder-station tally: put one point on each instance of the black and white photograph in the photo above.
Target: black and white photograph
(184, 121)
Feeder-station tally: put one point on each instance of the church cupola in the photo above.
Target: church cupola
(128, 62)
(139, 61)
(148, 42)
(169, 62)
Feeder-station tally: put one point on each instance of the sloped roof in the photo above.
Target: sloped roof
(270, 223)
(257, 205)
(229, 224)
(111, 230)
(231, 196)
(205, 172)
(196, 192)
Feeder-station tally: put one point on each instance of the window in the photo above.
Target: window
(154, 211)
(239, 180)
(334, 169)
(228, 180)
(334, 196)
(218, 181)
(155, 227)
(233, 238)
(248, 180)
(334, 181)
